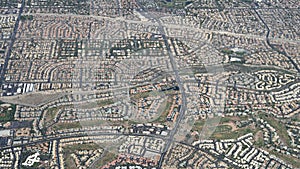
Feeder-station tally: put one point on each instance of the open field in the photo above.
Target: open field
(7, 112)
(279, 126)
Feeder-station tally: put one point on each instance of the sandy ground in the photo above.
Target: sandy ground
(33, 99)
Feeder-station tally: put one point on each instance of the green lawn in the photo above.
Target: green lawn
(232, 134)
(26, 17)
(6, 114)
(43, 157)
(279, 126)
(68, 150)
(198, 125)
(224, 131)
(74, 147)
(51, 113)
(106, 158)
(163, 117)
(288, 159)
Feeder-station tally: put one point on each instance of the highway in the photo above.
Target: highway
(177, 78)
(13, 38)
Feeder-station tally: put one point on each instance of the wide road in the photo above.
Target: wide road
(177, 78)
(169, 25)
(13, 38)
(272, 46)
